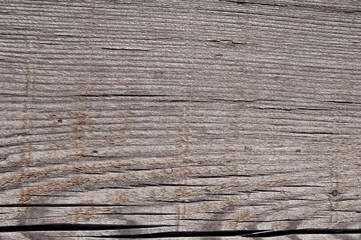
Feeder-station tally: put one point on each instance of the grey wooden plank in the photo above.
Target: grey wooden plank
(189, 116)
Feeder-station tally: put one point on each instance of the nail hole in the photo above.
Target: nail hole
(60, 121)
(94, 151)
(334, 193)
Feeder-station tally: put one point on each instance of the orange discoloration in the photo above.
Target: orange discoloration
(82, 214)
(178, 218)
(79, 169)
(239, 217)
(25, 106)
(180, 215)
(331, 207)
(28, 193)
(20, 211)
(81, 153)
(155, 175)
(25, 156)
(83, 121)
(202, 161)
(25, 159)
(241, 105)
(27, 123)
(245, 215)
(78, 114)
(125, 127)
(31, 174)
(79, 135)
(53, 125)
(28, 80)
(123, 198)
(80, 122)
(181, 193)
(183, 172)
(229, 202)
(86, 214)
(277, 225)
(124, 177)
(188, 160)
(339, 188)
(26, 174)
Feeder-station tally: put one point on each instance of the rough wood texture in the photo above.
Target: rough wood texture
(202, 118)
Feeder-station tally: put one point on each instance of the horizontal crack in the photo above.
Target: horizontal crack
(186, 234)
(73, 227)
(342, 102)
(240, 233)
(314, 133)
(119, 95)
(301, 6)
(304, 232)
(254, 3)
(125, 49)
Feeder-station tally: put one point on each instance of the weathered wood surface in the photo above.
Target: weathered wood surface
(179, 117)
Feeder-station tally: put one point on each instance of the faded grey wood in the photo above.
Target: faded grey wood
(185, 115)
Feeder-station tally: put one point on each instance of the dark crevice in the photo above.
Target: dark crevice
(65, 205)
(73, 227)
(305, 232)
(186, 234)
(245, 233)
(21, 134)
(188, 201)
(51, 44)
(302, 6)
(301, 185)
(273, 108)
(291, 109)
(311, 109)
(235, 100)
(225, 41)
(266, 190)
(181, 185)
(228, 175)
(119, 95)
(181, 100)
(343, 102)
(346, 211)
(254, 3)
(65, 35)
(314, 133)
(166, 184)
(125, 49)
(137, 214)
(92, 156)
